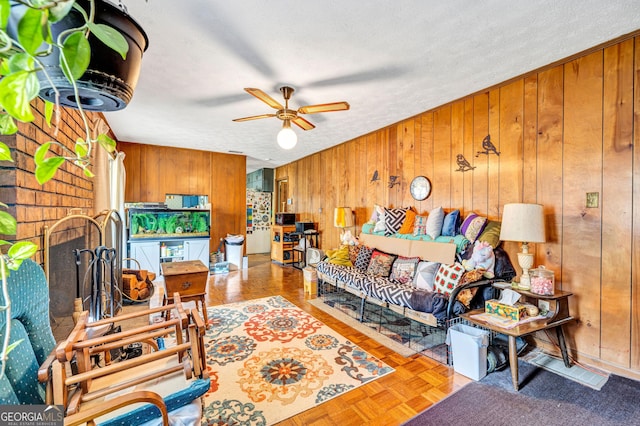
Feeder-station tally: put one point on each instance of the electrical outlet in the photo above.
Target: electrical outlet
(543, 305)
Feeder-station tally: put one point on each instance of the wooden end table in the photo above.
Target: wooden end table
(189, 279)
(559, 308)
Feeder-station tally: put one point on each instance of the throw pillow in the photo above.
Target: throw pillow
(380, 223)
(491, 233)
(473, 226)
(426, 275)
(375, 216)
(353, 253)
(434, 222)
(393, 219)
(340, 256)
(363, 259)
(448, 277)
(404, 269)
(380, 265)
(420, 226)
(450, 223)
(409, 220)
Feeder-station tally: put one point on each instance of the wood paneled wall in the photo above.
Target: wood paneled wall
(153, 171)
(561, 132)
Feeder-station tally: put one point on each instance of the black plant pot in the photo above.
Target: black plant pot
(109, 81)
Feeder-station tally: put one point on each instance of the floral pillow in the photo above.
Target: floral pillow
(353, 253)
(404, 269)
(448, 277)
(380, 264)
(473, 226)
(364, 258)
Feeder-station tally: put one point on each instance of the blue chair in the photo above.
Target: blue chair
(29, 295)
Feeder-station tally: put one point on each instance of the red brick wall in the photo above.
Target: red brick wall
(35, 205)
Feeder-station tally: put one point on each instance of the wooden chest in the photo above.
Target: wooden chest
(187, 278)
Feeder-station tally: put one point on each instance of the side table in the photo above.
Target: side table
(559, 308)
(189, 279)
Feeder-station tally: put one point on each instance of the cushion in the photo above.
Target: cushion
(393, 219)
(420, 226)
(407, 225)
(380, 264)
(353, 253)
(450, 223)
(404, 269)
(379, 227)
(339, 256)
(473, 226)
(434, 222)
(491, 233)
(377, 212)
(364, 258)
(426, 275)
(448, 277)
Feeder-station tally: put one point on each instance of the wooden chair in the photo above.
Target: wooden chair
(136, 390)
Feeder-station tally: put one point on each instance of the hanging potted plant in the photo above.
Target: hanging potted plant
(70, 53)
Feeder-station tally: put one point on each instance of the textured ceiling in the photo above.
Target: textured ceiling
(389, 59)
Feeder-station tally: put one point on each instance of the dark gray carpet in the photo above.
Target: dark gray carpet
(544, 399)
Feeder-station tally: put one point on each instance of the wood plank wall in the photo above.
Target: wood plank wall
(153, 171)
(561, 132)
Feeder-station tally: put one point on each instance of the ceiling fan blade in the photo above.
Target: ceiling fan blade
(334, 106)
(264, 97)
(254, 117)
(302, 123)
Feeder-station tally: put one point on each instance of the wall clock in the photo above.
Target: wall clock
(420, 188)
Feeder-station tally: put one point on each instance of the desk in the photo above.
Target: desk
(189, 279)
(558, 306)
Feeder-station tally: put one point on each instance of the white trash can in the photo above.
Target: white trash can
(233, 246)
(469, 348)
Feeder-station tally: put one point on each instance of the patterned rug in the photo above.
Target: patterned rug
(269, 360)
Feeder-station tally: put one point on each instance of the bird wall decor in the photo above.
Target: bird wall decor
(375, 177)
(488, 146)
(393, 181)
(463, 164)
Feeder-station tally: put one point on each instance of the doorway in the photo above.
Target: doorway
(282, 194)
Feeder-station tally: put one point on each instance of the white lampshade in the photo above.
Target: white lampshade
(342, 217)
(287, 138)
(523, 222)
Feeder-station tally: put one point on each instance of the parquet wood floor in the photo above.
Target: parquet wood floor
(417, 383)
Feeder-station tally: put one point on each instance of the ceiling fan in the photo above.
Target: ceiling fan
(286, 137)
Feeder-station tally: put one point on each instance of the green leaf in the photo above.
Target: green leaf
(47, 169)
(4, 243)
(5, 152)
(8, 223)
(60, 10)
(48, 111)
(7, 127)
(5, 12)
(30, 30)
(88, 173)
(81, 148)
(20, 62)
(77, 51)
(111, 37)
(40, 153)
(22, 250)
(14, 95)
(107, 143)
(13, 346)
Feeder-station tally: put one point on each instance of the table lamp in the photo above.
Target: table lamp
(524, 223)
(342, 218)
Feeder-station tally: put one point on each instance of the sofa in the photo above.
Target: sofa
(455, 289)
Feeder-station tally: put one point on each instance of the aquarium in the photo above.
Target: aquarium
(163, 223)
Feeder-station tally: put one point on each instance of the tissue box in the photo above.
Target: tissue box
(494, 307)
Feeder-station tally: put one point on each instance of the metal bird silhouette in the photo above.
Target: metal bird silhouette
(488, 147)
(463, 164)
(393, 181)
(375, 176)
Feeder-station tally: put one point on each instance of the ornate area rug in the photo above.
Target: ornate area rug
(269, 360)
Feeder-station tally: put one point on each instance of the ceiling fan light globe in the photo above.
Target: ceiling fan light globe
(287, 138)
